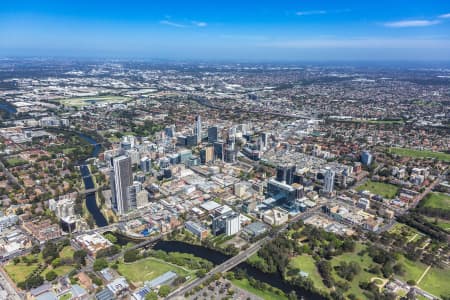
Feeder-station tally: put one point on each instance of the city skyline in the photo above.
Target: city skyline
(324, 30)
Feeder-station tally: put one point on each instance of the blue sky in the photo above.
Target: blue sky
(247, 30)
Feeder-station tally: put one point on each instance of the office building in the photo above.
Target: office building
(230, 154)
(121, 179)
(206, 155)
(219, 150)
(185, 155)
(196, 229)
(284, 194)
(198, 129)
(227, 223)
(213, 134)
(285, 173)
(328, 181)
(265, 140)
(366, 158)
(169, 131)
(132, 193)
(145, 164)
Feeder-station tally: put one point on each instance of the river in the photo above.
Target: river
(217, 258)
(91, 203)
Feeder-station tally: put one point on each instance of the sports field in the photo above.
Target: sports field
(147, 269)
(379, 188)
(84, 101)
(437, 200)
(420, 153)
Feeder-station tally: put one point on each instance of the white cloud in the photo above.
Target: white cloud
(311, 12)
(173, 24)
(445, 16)
(411, 23)
(200, 24)
(321, 12)
(184, 25)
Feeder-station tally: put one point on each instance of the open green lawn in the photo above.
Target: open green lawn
(420, 153)
(66, 252)
(436, 282)
(364, 262)
(220, 239)
(15, 161)
(379, 188)
(406, 231)
(267, 295)
(147, 269)
(436, 200)
(444, 224)
(84, 101)
(66, 296)
(21, 271)
(413, 269)
(307, 264)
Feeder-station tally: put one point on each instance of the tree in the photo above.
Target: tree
(151, 296)
(50, 252)
(36, 249)
(79, 257)
(50, 276)
(131, 255)
(111, 238)
(56, 262)
(100, 264)
(292, 295)
(200, 273)
(164, 290)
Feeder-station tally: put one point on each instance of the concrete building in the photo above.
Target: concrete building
(213, 134)
(196, 229)
(366, 158)
(276, 216)
(121, 179)
(198, 129)
(145, 164)
(329, 181)
(227, 223)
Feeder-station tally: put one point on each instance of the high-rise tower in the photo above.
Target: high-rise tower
(121, 179)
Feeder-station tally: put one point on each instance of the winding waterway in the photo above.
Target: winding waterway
(91, 203)
(217, 258)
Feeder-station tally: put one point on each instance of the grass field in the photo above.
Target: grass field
(220, 239)
(406, 231)
(420, 153)
(436, 282)
(66, 252)
(413, 269)
(364, 262)
(147, 269)
(84, 101)
(437, 200)
(267, 295)
(444, 224)
(21, 271)
(307, 264)
(15, 161)
(379, 188)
